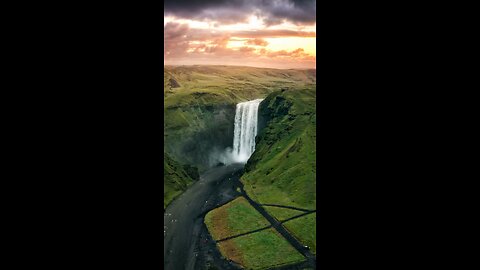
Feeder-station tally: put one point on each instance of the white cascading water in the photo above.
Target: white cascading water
(245, 130)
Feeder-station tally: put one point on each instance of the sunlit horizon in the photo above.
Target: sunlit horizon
(250, 36)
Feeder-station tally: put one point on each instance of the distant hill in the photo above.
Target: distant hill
(227, 84)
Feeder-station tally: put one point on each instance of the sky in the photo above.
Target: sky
(261, 33)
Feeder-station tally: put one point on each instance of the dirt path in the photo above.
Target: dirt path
(286, 206)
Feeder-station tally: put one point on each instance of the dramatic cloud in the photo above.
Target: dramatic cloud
(233, 11)
(273, 33)
(257, 41)
(276, 33)
(297, 11)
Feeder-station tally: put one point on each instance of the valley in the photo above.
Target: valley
(239, 193)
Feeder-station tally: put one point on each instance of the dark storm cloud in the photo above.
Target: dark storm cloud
(174, 30)
(225, 11)
(231, 11)
(297, 11)
(272, 33)
(194, 6)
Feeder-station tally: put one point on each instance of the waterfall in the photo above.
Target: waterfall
(245, 130)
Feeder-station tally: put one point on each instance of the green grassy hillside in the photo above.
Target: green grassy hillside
(200, 105)
(213, 85)
(282, 169)
(176, 178)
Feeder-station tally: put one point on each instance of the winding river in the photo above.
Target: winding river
(183, 218)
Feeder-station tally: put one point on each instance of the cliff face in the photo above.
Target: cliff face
(196, 135)
(274, 106)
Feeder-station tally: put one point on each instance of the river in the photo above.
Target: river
(183, 218)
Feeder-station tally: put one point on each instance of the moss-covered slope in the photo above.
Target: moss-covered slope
(282, 169)
(176, 178)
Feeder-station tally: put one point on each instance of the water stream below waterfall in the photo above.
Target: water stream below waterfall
(183, 218)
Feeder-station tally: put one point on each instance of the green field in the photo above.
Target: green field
(305, 230)
(260, 250)
(234, 218)
(282, 213)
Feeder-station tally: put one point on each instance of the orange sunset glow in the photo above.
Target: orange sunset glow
(276, 33)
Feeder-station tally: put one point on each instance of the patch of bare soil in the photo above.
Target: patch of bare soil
(174, 83)
(231, 251)
(219, 223)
